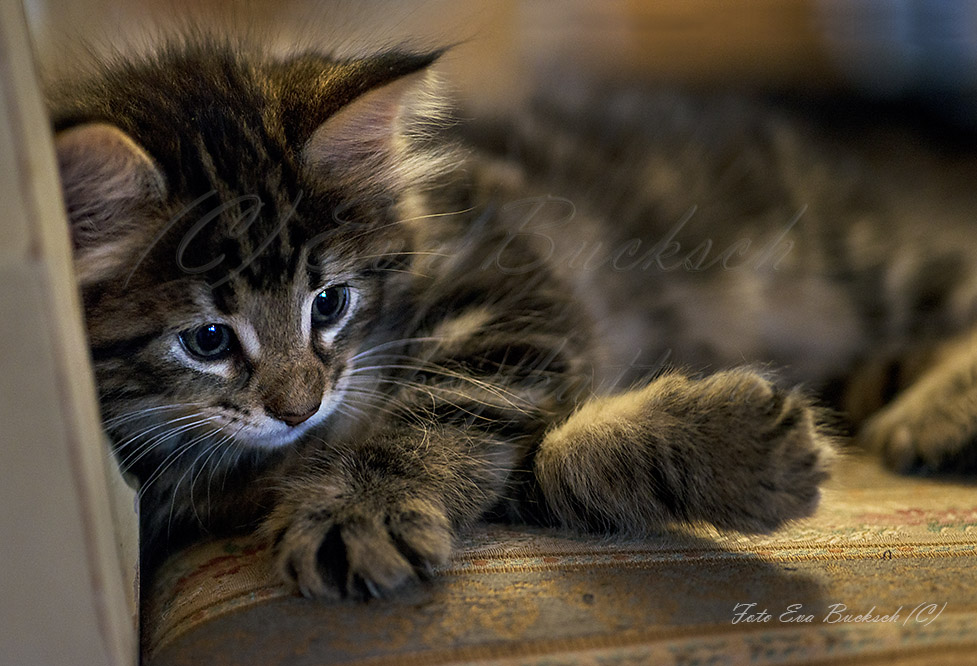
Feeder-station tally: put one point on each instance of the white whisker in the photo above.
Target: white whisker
(177, 453)
(144, 447)
(132, 415)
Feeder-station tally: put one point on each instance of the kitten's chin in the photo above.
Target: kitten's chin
(273, 434)
(267, 433)
(271, 440)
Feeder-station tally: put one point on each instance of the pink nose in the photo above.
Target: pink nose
(295, 419)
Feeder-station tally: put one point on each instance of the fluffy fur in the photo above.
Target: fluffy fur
(314, 314)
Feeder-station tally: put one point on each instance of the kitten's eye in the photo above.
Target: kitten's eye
(329, 305)
(209, 342)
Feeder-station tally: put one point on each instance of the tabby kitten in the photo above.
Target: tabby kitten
(316, 311)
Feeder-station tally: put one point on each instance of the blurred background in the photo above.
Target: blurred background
(921, 51)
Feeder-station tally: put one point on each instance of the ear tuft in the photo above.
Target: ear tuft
(374, 142)
(105, 177)
(107, 180)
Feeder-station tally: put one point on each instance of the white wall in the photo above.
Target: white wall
(67, 597)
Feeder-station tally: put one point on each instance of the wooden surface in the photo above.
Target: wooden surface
(698, 42)
(499, 46)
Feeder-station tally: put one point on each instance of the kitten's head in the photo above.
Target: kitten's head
(234, 221)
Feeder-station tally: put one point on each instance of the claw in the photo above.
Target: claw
(426, 571)
(372, 588)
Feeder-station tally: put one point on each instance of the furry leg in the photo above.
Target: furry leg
(731, 449)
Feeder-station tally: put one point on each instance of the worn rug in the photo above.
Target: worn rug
(884, 573)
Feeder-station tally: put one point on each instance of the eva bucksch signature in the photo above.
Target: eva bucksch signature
(922, 613)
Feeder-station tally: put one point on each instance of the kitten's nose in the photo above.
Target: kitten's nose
(291, 388)
(295, 419)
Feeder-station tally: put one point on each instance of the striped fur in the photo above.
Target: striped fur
(494, 308)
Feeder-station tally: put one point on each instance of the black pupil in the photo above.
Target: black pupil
(329, 304)
(211, 339)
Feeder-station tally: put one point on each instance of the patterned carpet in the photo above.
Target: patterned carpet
(886, 572)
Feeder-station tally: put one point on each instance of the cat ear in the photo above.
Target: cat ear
(106, 179)
(373, 141)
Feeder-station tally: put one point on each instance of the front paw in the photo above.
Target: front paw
(335, 549)
(779, 453)
(731, 449)
(926, 429)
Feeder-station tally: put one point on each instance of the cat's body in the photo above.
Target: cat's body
(313, 315)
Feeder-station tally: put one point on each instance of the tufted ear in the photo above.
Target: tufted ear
(106, 179)
(371, 142)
